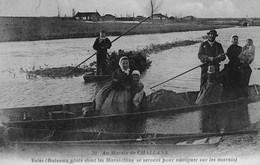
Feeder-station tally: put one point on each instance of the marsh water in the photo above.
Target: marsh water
(16, 90)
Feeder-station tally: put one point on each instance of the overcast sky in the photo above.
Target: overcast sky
(197, 8)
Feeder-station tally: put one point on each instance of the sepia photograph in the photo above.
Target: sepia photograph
(129, 82)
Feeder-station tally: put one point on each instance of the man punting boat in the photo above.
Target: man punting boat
(102, 43)
(211, 53)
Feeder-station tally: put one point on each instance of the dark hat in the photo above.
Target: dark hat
(214, 32)
(102, 31)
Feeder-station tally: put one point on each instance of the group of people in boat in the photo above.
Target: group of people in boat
(126, 93)
(231, 82)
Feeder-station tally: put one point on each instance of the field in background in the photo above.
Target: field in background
(44, 28)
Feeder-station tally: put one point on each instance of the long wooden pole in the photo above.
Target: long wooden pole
(111, 42)
(177, 76)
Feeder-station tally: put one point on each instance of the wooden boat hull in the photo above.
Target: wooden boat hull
(82, 137)
(41, 120)
(78, 122)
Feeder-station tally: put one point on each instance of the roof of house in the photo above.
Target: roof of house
(108, 15)
(160, 15)
(172, 17)
(190, 16)
(84, 14)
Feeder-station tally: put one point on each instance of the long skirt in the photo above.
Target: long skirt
(210, 93)
(231, 77)
(245, 78)
(101, 96)
(117, 102)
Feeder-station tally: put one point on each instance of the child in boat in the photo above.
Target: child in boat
(247, 54)
(137, 92)
(211, 91)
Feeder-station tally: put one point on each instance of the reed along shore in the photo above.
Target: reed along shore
(46, 28)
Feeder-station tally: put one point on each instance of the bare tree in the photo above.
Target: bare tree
(152, 7)
(58, 8)
(39, 4)
(73, 12)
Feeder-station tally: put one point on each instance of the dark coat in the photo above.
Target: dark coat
(101, 47)
(232, 53)
(231, 71)
(120, 80)
(206, 51)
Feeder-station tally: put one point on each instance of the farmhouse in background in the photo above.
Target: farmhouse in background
(171, 19)
(140, 17)
(189, 18)
(160, 18)
(88, 16)
(246, 21)
(108, 17)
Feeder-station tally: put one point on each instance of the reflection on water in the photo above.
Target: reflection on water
(176, 124)
(225, 119)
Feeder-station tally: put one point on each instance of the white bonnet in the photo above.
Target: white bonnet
(136, 72)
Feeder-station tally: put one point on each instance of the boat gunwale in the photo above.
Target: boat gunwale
(180, 137)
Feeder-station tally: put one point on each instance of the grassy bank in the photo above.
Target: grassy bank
(44, 28)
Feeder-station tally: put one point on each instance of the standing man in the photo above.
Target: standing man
(211, 53)
(102, 43)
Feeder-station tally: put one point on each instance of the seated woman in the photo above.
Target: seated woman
(211, 91)
(137, 93)
(116, 98)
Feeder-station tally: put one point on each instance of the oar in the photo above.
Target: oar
(177, 76)
(111, 42)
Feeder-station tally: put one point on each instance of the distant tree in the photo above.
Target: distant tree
(39, 4)
(58, 11)
(152, 7)
(73, 12)
(58, 8)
